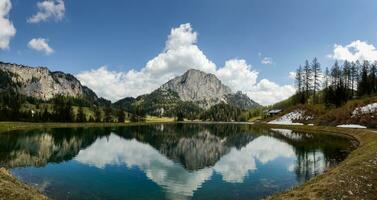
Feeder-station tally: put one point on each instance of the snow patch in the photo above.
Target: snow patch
(292, 135)
(367, 109)
(288, 119)
(350, 126)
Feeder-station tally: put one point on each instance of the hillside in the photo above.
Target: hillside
(194, 90)
(355, 113)
(38, 94)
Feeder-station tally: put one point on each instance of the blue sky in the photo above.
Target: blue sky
(124, 35)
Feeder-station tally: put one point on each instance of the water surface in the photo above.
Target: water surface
(175, 161)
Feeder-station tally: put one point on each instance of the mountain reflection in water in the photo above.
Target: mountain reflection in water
(179, 158)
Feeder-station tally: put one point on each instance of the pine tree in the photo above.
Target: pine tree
(373, 79)
(97, 114)
(299, 85)
(316, 71)
(108, 114)
(308, 79)
(363, 86)
(327, 88)
(121, 115)
(347, 74)
(354, 76)
(80, 117)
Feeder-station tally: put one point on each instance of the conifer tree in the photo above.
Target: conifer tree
(80, 117)
(316, 71)
(121, 116)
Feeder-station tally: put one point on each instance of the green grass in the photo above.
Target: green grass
(159, 119)
(11, 126)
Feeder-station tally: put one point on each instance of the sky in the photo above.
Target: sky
(125, 48)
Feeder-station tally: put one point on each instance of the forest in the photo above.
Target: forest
(335, 86)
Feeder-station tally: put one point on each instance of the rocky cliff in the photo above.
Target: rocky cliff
(41, 83)
(206, 90)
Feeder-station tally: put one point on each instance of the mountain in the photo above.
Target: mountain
(193, 92)
(206, 90)
(41, 83)
(196, 86)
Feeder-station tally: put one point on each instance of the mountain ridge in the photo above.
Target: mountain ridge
(201, 89)
(41, 83)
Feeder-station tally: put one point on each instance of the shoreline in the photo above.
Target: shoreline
(353, 178)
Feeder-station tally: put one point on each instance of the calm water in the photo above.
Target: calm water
(177, 161)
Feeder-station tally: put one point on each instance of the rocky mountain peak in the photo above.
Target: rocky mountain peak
(206, 90)
(197, 86)
(41, 83)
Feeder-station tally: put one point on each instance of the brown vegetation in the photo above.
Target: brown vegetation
(354, 178)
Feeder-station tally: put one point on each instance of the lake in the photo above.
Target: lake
(168, 161)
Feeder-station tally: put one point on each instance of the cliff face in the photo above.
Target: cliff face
(41, 83)
(200, 87)
(206, 90)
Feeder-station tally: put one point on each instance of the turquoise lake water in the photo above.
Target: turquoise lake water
(175, 161)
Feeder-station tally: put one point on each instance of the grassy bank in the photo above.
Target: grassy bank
(354, 178)
(11, 126)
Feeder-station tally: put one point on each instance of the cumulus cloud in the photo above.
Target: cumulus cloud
(7, 30)
(48, 9)
(116, 151)
(40, 44)
(267, 92)
(180, 54)
(356, 50)
(237, 74)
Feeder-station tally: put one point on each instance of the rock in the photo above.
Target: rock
(206, 90)
(41, 83)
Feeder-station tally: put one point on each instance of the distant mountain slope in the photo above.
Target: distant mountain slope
(41, 83)
(206, 90)
(201, 89)
(197, 86)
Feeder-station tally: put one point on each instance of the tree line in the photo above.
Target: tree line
(59, 109)
(337, 85)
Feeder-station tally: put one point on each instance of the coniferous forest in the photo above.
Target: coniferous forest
(335, 85)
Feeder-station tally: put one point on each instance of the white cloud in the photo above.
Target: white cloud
(116, 151)
(292, 75)
(266, 61)
(7, 30)
(356, 50)
(48, 9)
(233, 167)
(237, 74)
(180, 54)
(40, 44)
(267, 92)
(238, 163)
